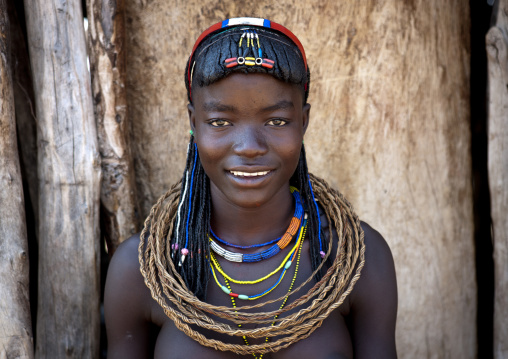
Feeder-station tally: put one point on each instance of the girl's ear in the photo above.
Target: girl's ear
(306, 116)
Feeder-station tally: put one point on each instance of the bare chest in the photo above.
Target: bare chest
(330, 341)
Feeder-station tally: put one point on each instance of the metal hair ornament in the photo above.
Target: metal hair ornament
(251, 61)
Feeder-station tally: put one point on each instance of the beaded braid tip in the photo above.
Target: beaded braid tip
(184, 252)
(322, 254)
(174, 249)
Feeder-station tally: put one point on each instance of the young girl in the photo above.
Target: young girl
(250, 256)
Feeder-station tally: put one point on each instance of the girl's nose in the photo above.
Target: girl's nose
(250, 142)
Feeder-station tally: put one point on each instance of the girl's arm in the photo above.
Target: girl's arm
(374, 301)
(127, 305)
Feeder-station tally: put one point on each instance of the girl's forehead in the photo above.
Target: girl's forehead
(238, 87)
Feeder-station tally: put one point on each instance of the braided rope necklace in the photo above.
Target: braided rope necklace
(168, 288)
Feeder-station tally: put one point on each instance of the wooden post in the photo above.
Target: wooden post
(389, 126)
(25, 107)
(497, 55)
(69, 182)
(107, 64)
(16, 339)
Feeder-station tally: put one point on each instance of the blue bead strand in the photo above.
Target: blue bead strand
(319, 220)
(190, 196)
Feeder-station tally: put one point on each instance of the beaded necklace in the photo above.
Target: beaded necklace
(217, 238)
(282, 242)
(267, 253)
(245, 340)
(226, 289)
(285, 262)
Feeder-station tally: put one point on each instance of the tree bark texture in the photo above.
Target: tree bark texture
(16, 339)
(69, 182)
(389, 126)
(107, 63)
(25, 107)
(497, 54)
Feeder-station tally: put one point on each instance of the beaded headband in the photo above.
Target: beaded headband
(251, 21)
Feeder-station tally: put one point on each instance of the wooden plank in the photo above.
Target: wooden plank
(69, 182)
(106, 37)
(497, 55)
(16, 339)
(389, 126)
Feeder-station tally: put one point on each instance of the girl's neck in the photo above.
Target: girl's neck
(253, 225)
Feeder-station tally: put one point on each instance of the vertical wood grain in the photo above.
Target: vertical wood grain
(497, 55)
(16, 339)
(69, 182)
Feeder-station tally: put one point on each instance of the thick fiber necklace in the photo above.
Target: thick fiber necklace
(282, 242)
(227, 289)
(185, 310)
(267, 339)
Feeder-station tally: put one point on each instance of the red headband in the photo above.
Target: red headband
(253, 21)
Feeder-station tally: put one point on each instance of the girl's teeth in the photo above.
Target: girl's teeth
(248, 174)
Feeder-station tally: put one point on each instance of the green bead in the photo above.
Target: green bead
(191, 132)
(288, 264)
(243, 297)
(225, 289)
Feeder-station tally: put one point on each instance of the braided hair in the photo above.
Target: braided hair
(189, 242)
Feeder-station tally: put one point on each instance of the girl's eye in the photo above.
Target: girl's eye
(277, 122)
(219, 123)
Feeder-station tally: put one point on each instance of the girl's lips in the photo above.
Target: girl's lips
(250, 179)
(248, 174)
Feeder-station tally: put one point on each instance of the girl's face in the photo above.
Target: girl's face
(249, 130)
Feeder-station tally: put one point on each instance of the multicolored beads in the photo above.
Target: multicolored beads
(256, 59)
(240, 296)
(249, 61)
(286, 263)
(274, 249)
